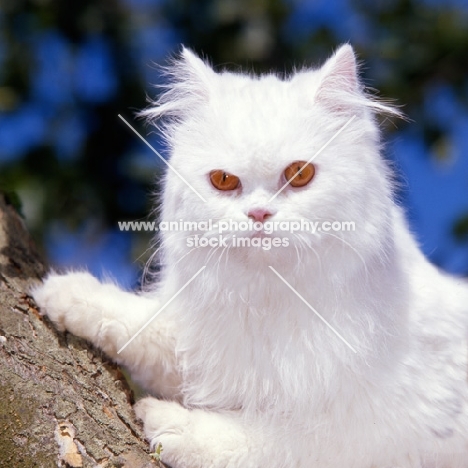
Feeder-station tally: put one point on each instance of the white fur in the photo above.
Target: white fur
(256, 379)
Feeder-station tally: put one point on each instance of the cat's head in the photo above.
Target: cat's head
(237, 140)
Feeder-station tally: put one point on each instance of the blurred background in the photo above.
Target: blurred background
(68, 68)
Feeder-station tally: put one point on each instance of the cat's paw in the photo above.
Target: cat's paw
(197, 438)
(62, 296)
(166, 423)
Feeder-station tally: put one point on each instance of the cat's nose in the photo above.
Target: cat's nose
(259, 214)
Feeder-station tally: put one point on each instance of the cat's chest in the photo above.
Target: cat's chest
(252, 361)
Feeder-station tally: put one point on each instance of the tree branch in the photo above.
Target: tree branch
(62, 403)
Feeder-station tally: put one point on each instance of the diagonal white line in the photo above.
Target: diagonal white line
(313, 157)
(162, 159)
(161, 309)
(312, 309)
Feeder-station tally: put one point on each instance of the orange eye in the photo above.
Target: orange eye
(223, 180)
(302, 171)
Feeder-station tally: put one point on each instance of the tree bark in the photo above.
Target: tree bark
(61, 402)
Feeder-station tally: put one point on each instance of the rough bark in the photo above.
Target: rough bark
(61, 402)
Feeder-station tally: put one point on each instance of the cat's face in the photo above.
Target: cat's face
(240, 141)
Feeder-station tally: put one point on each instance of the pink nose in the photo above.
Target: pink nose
(259, 214)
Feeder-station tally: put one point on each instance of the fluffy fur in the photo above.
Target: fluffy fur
(246, 374)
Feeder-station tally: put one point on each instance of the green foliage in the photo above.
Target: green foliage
(460, 230)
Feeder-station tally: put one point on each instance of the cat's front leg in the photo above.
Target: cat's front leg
(200, 439)
(109, 318)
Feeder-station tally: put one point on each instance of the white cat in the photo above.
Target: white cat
(331, 350)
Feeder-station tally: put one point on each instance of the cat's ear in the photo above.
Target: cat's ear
(339, 81)
(340, 71)
(188, 84)
(196, 74)
(339, 88)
